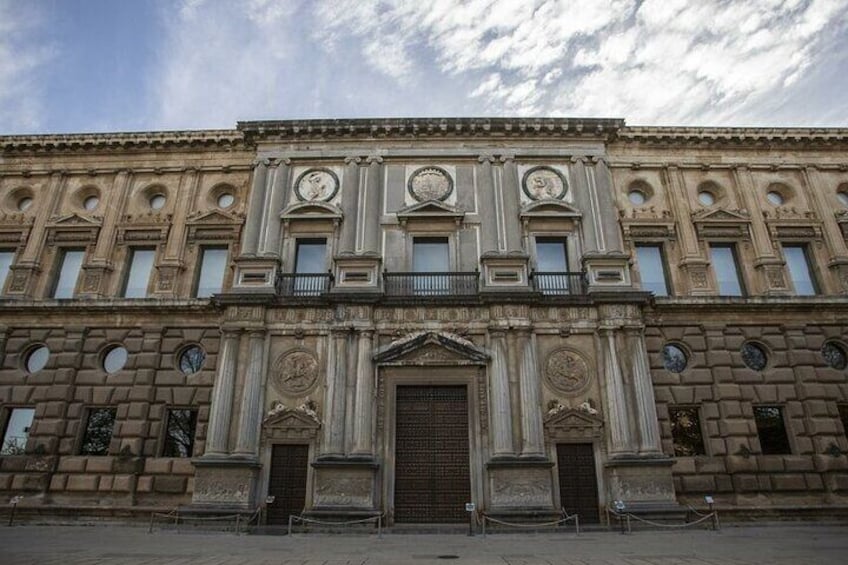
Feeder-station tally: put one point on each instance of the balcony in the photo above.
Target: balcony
(430, 285)
(559, 283)
(303, 285)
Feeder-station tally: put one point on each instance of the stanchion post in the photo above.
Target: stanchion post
(290, 524)
(380, 526)
(577, 523)
(14, 503)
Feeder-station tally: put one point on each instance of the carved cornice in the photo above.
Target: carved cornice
(747, 137)
(77, 142)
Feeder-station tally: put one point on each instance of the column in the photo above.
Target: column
(250, 418)
(586, 199)
(511, 203)
(532, 436)
(500, 409)
(350, 205)
(270, 230)
(362, 439)
(370, 205)
(222, 396)
(334, 415)
(489, 229)
(646, 407)
(256, 208)
(620, 438)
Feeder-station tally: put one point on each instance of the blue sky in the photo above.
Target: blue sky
(126, 65)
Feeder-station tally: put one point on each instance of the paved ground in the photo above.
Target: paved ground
(81, 545)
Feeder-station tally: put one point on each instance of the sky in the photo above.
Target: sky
(140, 65)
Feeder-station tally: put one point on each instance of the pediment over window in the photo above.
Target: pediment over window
(573, 423)
(73, 228)
(312, 210)
(213, 217)
(721, 216)
(430, 210)
(75, 220)
(431, 348)
(283, 423)
(722, 223)
(549, 209)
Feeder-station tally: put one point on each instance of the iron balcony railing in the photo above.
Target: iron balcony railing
(430, 284)
(561, 283)
(303, 284)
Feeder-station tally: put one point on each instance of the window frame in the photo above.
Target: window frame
(8, 412)
(700, 428)
(131, 254)
(789, 447)
(89, 411)
(806, 251)
(740, 275)
(58, 265)
(202, 249)
(660, 246)
(163, 444)
(13, 251)
(301, 240)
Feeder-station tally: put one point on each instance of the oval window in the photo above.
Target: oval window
(91, 203)
(775, 197)
(37, 358)
(115, 359)
(674, 358)
(637, 197)
(191, 359)
(157, 201)
(226, 200)
(24, 203)
(706, 198)
(834, 355)
(754, 356)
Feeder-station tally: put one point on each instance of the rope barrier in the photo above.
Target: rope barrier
(177, 517)
(378, 519)
(555, 523)
(627, 515)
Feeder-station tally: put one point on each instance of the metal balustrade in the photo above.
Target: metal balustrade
(559, 283)
(303, 284)
(430, 284)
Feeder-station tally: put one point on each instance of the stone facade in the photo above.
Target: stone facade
(322, 311)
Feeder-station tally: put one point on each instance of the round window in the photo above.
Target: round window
(754, 356)
(775, 197)
(115, 359)
(157, 201)
(226, 200)
(24, 203)
(706, 198)
(191, 359)
(834, 355)
(91, 203)
(674, 358)
(637, 197)
(843, 198)
(37, 358)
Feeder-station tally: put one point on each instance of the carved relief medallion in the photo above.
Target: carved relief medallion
(544, 183)
(430, 183)
(295, 371)
(566, 371)
(317, 184)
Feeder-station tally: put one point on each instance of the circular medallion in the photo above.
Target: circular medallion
(319, 184)
(544, 183)
(295, 372)
(566, 371)
(430, 183)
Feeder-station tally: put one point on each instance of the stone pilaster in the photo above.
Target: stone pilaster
(256, 208)
(490, 229)
(621, 440)
(370, 205)
(99, 265)
(222, 396)
(363, 444)
(351, 192)
(334, 415)
(250, 417)
(532, 436)
(271, 230)
(646, 407)
(501, 412)
(510, 200)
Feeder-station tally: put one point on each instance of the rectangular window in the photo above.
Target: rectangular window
(843, 415)
(17, 431)
(213, 265)
(551, 265)
(179, 434)
(98, 431)
(138, 275)
(686, 431)
(6, 258)
(798, 264)
(726, 268)
(652, 269)
(431, 263)
(310, 267)
(772, 430)
(70, 264)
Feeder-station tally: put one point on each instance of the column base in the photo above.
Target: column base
(642, 480)
(521, 487)
(345, 487)
(225, 482)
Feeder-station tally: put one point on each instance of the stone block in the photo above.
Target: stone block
(739, 464)
(788, 482)
(727, 391)
(717, 446)
(796, 463)
(106, 483)
(6, 481)
(182, 466)
(683, 394)
(698, 483)
(766, 393)
(48, 427)
(709, 410)
(771, 463)
(169, 484)
(803, 445)
(30, 482)
(147, 376)
(814, 481)
(719, 358)
(684, 466)
(698, 376)
(745, 375)
(141, 393)
(13, 463)
(724, 483)
(169, 378)
(745, 483)
(145, 484)
(82, 482)
(135, 428)
(722, 374)
(121, 394)
(102, 395)
(702, 393)
(734, 427)
(786, 392)
(822, 426)
(138, 410)
(730, 409)
(711, 465)
(57, 482)
(828, 463)
(122, 483)
(157, 465)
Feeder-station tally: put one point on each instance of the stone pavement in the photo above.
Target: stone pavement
(795, 544)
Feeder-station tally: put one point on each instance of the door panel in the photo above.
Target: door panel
(287, 483)
(578, 484)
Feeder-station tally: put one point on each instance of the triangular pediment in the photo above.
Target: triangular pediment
(291, 418)
(550, 208)
(74, 220)
(212, 217)
(720, 216)
(312, 210)
(432, 348)
(573, 418)
(429, 209)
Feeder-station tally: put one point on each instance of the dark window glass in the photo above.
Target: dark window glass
(138, 276)
(17, 431)
(754, 356)
(69, 270)
(772, 430)
(652, 269)
(310, 259)
(98, 431)
(674, 358)
(6, 258)
(834, 355)
(191, 359)
(686, 431)
(843, 415)
(431, 256)
(179, 435)
(798, 265)
(551, 259)
(726, 269)
(213, 264)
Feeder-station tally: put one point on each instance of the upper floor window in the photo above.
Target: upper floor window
(138, 274)
(6, 258)
(652, 269)
(70, 264)
(213, 264)
(798, 264)
(17, 431)
(310, 267)
(552, 275)
(726, 269)
(431, 263)
(771, 430)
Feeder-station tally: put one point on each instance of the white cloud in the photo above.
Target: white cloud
(21, 59)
